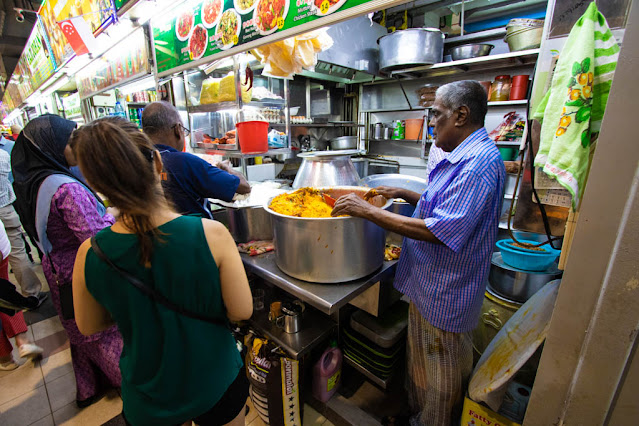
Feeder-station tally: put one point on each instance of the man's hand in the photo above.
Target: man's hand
(386, 191)
(224, 165)
(352, 205)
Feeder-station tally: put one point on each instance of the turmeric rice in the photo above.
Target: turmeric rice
(305, 202)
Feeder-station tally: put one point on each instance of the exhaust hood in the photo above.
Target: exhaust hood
(354, 55)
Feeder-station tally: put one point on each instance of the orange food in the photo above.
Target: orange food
(305, 202)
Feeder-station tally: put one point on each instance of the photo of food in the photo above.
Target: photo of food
(229, 27)
(326, 7)
(211, 12)
(244, 6)
(183, 25)
(267, 13)
(197, 42)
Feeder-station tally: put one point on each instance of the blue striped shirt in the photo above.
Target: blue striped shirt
(461, 207)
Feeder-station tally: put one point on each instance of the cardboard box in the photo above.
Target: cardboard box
(475, 414)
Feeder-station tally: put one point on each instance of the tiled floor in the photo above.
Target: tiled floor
(43, 393)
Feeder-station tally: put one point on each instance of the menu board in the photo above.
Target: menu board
(38, 58)
(198, 29)
(94, 12)
(124, 61)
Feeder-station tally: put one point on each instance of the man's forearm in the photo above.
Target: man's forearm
(411, 197)
(412, 228)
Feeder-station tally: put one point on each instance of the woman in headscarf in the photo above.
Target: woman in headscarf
(59, 213)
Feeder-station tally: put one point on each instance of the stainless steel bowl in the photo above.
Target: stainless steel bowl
(326, 168)
(517, 284)
(328, 250)
(468, 51)
(344, 142)
(411, 47)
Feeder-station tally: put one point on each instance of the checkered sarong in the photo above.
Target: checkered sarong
(439, 364)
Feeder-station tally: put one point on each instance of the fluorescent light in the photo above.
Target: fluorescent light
(137, 86)
(55, 85)
(33, 99)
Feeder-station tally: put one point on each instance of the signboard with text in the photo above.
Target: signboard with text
(37, 58)
(199, 29)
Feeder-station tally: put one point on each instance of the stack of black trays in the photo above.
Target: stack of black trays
(377, 343)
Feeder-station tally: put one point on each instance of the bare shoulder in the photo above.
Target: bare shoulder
(84, 249)
(214, 227)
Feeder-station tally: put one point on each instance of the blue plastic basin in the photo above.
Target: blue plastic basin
(527, 260)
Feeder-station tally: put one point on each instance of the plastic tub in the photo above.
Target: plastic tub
(528, 260)
(519, 87)
(253, 136)
(414, 128)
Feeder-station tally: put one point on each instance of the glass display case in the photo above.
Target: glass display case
(229, 91)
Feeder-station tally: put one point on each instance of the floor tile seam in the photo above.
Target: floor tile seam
(24, 393)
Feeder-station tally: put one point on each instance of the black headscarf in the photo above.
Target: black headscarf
(37, 154)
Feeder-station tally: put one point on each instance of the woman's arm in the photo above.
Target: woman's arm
(236, 292)
(78, 208)
(90, 316)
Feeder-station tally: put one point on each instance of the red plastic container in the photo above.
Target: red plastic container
(327, 373)
(253, 136)
(519, 87)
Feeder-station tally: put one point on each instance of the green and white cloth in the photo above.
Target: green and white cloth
(574, 106)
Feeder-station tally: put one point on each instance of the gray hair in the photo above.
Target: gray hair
(467, 93)
(159, 117)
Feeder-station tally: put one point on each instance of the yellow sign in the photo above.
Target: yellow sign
(94, 12)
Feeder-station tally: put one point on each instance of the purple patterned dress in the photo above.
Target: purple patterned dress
(73, 218)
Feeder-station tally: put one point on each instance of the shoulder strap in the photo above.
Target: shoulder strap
(152, 293)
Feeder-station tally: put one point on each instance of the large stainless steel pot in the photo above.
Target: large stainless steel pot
(411, 47)
(328, 168)
(344, 142)
(249, 224)
(517, 284)
(328, 250)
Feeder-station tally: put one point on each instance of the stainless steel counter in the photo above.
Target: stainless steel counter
(327, 298)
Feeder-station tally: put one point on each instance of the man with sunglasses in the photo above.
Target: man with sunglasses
(188, 180)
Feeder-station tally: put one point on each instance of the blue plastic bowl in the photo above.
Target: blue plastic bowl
(527, 260)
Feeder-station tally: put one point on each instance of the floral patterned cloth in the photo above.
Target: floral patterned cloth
(73, 218)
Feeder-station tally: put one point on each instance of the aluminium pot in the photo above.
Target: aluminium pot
(328, 168)
(249, 224)
(328, 250)
(344, 142)
(469, 51)
(411, 47)
(517, 284)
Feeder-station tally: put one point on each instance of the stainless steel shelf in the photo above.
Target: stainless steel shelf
(214, 150)
(317, 125)
(233, 105)
(482, 63)
(496, 33)
(327, 298)
(315, 328)
(396, 140)
(515, 144)
(508, 103)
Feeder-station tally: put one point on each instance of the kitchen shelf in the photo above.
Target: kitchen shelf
(508, 143)
(314, 125)
(315, 328)
(137, 104)
(396, 140)
(383, 383)
(239, 154)
(232, 105)
(482, 63)
(507, 103)
(496, 33)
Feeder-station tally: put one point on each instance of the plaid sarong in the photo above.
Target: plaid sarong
(439, 364)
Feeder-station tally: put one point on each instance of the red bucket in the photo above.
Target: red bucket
(253, 136)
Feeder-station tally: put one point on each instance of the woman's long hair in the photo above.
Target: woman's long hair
(117, 160)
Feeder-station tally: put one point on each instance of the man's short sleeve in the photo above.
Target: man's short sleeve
(458, 210)
(211, 182)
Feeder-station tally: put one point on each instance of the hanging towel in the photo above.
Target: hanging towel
(574, 107)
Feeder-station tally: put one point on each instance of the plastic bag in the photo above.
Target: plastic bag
(510, 129)
(210, 91)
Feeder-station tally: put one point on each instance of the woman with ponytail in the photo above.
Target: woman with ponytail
(175, 367)
(59, 212)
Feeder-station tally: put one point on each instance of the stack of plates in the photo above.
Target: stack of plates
(260, 402)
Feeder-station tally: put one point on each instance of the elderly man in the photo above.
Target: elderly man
(187, 179)
(446, 251)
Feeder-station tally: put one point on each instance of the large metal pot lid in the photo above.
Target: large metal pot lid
(412, 183)
(325, 155)
(430, 29)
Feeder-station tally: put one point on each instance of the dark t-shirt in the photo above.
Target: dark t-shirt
(188, 181)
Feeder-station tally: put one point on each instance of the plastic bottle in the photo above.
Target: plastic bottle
(327, 373)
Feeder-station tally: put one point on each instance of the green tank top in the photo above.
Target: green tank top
(173, 367)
